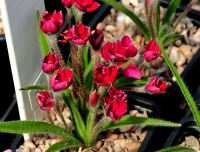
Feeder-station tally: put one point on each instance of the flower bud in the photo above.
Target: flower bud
(152, 51)
(93, 98)
(96, 39)
(85, 5)
(156, 85)
(44, 100)
(50, 63)
(51, 23)
(61, 80)
(67, 3)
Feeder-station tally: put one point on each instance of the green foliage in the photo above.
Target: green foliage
(88, 76)
(177, 148)
(35, 87)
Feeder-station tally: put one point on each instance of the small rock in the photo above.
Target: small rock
(125, 128)
(132, 145)
(191, 141)
(113, 136)
(29, 143)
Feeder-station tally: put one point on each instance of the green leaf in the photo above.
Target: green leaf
(143, 28)
(77, 119)
(88, 76)
(126, 81)
(171, 39)
(34, 87)
(63, 145)
(75, 12)
(156, 17)
(44, 45)
(177, 149)
(187, 95)
(85, 57)
(171, 9)
(128, 120)
(27, 126)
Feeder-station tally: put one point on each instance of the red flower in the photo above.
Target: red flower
(156, 86)
(78, 34)
(152, 51)
(116, 94)
(130, 71)
(93, 98)
(67, 3)
(50, 63)
(96, 39)
(51, 23)
(61, 80)
(119, 50)
(86, 5)
(104, 75)
(44, 100)
(116, 109)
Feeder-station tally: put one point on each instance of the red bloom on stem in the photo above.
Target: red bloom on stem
(96, 39)
(61, 80)
(86, 5)
(93, 98)
(50, 63)
(152, 51)
(156, 85)
(116, 94)
(104, 75)
(119, 50)
(44, 100)
(131, 70)
(51, 23)
(116, 109)
(67, 3)
(78, 34)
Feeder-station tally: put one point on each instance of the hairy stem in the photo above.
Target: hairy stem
(47, 114)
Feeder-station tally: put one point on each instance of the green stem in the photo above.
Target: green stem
(143, 28)
(184, 89)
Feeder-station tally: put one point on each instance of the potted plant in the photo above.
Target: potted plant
(90, 86)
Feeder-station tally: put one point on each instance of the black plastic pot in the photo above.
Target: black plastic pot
(153, 110)
(187, 128)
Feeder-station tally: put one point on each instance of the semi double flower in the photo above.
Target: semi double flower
(86, 5)
(50, 63)
(78, 34)
(104, 75)
(156, 85)
(44, 100)
(51, 23)
(152, 51)
(67, 3)
(61, 80)
(117, 94)
(119, 50)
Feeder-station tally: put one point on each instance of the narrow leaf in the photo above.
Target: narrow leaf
(75, 12)
(63, 145)
(126, 81)
(177, 149)
(171, 9)
(27, 126)
(88, 76)
(34, 87)
(128, 120)
(44, 45)
(187, 95)
(78, 121)
(85, 57)
(171, 39)
(143, 28)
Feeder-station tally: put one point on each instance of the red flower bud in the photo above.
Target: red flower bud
(152, 51)
(61, 80)
(50, 63)
(44, 100)
(93, 98)
(96, 39)
(51, 23)
(86, 5)
(156, 85)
